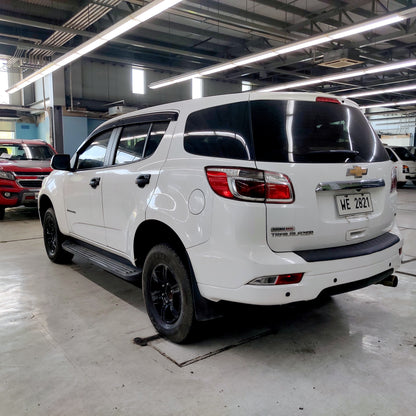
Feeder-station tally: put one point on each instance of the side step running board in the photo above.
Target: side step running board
(118, 267)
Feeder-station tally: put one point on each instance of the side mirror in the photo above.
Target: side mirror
(61, 162)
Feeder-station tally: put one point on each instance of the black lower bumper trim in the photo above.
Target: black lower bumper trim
(361, 249)
(359, 284)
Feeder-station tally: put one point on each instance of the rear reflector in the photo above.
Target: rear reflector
(282, 279)
(327, 100)
(250, 185)
(393, 186)
(288, 279)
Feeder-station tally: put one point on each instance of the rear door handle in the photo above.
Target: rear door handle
(94, 182)
(143, 180)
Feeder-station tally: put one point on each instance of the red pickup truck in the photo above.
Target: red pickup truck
(23, 166)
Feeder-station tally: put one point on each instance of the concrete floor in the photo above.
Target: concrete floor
(66, 344)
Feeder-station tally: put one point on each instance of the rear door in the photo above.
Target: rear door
(128, 186)
(338, 168)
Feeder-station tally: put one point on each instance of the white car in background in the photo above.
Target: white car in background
(405, 162)
(258, 198)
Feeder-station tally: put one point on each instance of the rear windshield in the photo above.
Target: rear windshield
(404, 154)
(313, 132)
(283, 131)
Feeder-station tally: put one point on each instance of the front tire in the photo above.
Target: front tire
(401, 184)
(53, 239)
(2, 209)
(167, 293)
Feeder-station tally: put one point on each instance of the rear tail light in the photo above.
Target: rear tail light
(250, 185)
(281, 279)
(327, 100)
(405, 169)
(393, 187)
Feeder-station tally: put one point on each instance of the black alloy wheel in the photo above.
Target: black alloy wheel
(167, 293)
(53, 239)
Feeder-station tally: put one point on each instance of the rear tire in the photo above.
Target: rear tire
(167, 294)
(53, 239)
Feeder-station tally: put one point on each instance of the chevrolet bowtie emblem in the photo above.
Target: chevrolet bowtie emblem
(357, 171)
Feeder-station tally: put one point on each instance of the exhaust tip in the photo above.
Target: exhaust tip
(391, 281)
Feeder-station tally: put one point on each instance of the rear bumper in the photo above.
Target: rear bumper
(225, 278)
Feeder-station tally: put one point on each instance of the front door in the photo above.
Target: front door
(83, 191)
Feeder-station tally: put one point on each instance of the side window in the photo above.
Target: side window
(156, 134)
(392, 156)
(222, 131)
(94, 154)
(139, 141)
(131, 144)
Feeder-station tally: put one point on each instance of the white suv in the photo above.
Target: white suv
(256, 198)
(405, 162)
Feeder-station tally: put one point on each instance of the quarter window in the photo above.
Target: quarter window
(392, 156)
(94, 154)
(156, 134)
(222, 131)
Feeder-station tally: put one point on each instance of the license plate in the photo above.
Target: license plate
(354, 204)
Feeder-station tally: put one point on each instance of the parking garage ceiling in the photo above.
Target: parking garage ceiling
(197, 34)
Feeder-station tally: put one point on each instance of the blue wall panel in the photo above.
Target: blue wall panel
(93, 123)
(75, 132)
(26, 131)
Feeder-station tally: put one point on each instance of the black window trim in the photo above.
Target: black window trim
(140, 119)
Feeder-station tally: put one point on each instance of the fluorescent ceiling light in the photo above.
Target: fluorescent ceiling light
(154, 8)
(179, 79)
(215, 69)
(316, 40)
(119, 30)
(396, 65)
(91, 46)
(302, 45)
(341, 75)
(367, 26)
(68, 59)
(389, 104)
(145, 13)
(48, 70)
(256, 58)
(408, 87)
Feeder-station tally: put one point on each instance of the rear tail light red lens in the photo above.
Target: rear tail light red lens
(250, 185)
(327, 100)
(288, 279)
